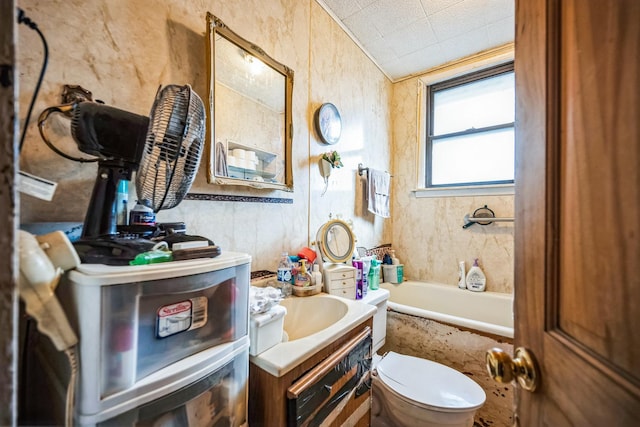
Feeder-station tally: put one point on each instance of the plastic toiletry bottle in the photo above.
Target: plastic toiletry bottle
(394, 260)
(462, 276)
(366, 267)
(122, 199)
(358, 265)
(476, 281)
(316, 276)
(303, 278)
(374, 275)
(284, 274)
(295, 268)
(142, 214)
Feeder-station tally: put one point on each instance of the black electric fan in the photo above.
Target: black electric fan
(163, 149)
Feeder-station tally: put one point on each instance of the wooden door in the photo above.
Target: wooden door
(577, 241)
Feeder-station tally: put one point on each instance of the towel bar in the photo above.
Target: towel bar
(362, 169)
(483, 216)
(467, 218)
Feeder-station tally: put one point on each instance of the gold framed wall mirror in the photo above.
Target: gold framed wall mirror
(249, 135)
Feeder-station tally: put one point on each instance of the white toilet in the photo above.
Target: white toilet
(409, 391)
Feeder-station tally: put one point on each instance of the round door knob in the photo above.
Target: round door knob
(523, 367)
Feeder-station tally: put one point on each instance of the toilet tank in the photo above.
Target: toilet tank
(379, 298)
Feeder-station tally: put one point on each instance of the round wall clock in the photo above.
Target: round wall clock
(328, 123)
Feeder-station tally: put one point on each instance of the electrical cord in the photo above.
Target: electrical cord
(23, 19)
(71, 387)
(72, 357)
(42, 120)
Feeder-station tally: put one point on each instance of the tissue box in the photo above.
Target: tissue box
(265, 329)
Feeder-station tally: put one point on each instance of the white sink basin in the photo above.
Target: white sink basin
(311, 324)
(306, 316)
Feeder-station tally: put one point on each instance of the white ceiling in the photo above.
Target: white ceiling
(409, 37)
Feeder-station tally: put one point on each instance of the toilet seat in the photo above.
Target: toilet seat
(429, 384)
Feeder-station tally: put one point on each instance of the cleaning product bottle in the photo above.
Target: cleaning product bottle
(476, 281)
(462, 284)
(374, 275)
(303, 278)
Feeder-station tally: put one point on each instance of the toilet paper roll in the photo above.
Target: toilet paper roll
(239, 153)
(249, 164)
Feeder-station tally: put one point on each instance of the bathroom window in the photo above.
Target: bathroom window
(470, 129)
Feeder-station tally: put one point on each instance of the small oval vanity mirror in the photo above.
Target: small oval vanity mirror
(335, 241)
(249, 135)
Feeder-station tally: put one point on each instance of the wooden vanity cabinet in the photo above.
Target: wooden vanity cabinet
(337, 368)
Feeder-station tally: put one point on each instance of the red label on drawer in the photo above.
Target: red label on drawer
(169, 310)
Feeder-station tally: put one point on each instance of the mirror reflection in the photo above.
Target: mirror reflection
(250, 118)
(335, 241)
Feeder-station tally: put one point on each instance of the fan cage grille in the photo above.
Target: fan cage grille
(173, 147)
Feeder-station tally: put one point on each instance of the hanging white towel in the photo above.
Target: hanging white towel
(378, 192)
(221, 160)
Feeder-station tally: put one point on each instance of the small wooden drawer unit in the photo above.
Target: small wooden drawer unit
(340, 280)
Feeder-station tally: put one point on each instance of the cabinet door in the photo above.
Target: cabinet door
(336, 389)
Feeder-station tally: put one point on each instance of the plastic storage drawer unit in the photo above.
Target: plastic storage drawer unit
(133, 321)
(207, 389)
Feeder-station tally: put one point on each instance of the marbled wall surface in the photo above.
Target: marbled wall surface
(123, 50)
(429, 238)
(461, 350)
(363, 97)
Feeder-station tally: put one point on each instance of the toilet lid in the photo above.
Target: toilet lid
(429, 384)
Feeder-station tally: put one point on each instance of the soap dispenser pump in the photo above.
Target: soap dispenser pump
(303, 278)
(476, 280)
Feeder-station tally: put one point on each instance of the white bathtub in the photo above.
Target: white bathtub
(490, 312)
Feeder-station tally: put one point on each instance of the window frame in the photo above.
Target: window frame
(430, 91)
